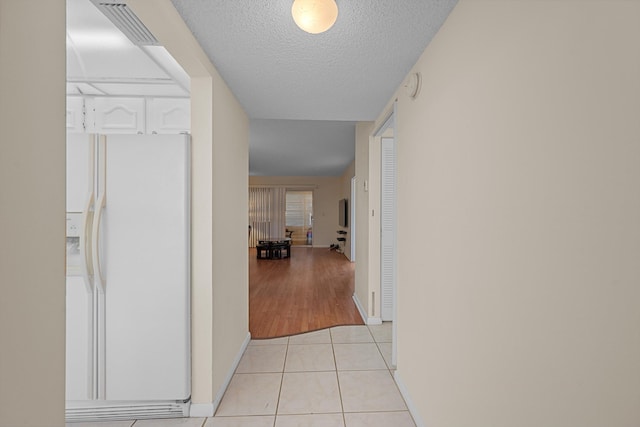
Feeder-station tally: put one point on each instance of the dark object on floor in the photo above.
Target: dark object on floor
(274, 248)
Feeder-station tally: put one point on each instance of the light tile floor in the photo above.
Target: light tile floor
(338, 377)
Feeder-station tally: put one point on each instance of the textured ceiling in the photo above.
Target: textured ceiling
(302, 92)
(281, 74)
(278, 71)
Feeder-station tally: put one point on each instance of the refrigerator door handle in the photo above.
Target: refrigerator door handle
(95, 240)
(86, 242)
(98, 211)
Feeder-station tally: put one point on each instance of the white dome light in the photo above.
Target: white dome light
(314, 16)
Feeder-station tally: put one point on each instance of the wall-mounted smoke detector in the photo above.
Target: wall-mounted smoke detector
(123, 17)
(412, 85)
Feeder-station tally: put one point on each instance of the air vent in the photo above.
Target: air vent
(127, 22)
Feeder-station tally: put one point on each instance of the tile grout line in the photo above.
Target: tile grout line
(287, 345)
(284, 364)
(388, 365)
(335, 363)
(383, 359)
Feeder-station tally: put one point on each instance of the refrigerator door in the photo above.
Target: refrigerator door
(80, 338)
(78, 168)
(79, 363)
(144, 261)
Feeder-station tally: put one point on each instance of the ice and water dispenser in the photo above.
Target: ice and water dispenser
(74, 227)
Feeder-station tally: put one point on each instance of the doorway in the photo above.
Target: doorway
(299, 217)
(385, 136)
(353, 220)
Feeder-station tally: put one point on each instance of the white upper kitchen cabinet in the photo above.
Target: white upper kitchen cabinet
(168, 115)
(128, 115)
(117, 115)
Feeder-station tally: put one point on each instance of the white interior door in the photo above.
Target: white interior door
(145, 245)
(388, 228)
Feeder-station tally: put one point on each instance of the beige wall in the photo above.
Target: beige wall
(345, 193)
(230, 253)
(32, 213)
(326, 194)
(202, 390)
(519, 302)
(220, 167)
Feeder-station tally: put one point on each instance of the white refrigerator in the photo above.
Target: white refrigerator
(128, 302)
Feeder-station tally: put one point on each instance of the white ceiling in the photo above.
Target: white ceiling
(302, 92)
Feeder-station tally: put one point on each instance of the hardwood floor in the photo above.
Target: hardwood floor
(311, 290)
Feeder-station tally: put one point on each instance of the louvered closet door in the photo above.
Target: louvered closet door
(388, 227)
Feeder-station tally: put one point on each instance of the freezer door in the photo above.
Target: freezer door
(78, 168)
(144, 253)
(79, 361)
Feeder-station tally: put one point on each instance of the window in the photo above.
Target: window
(299, 216)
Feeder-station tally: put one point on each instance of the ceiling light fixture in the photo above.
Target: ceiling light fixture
(314, 16)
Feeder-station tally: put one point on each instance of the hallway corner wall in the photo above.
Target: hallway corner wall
(32, 213)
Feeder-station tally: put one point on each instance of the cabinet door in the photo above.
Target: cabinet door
(168, 115)
(119, 115)
(75, 114)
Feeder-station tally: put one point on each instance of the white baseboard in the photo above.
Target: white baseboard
(363, 314)
(199, 410)
(227, 380)
(407, 399)
(366, 319)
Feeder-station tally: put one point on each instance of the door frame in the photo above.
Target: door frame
(387, 129)
(352, 220)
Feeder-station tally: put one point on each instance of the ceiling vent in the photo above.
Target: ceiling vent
(123, 17)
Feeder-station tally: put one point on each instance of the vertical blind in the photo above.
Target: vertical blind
(266, 213)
